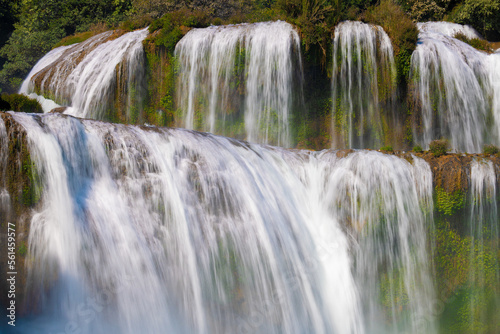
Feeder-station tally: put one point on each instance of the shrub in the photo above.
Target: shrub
(172, 26)
(490, 150)
(425, 10)
(439, 147)
(483, 15)
(417, 149)
(477, 43)
(387, 148)
(82, 36)
(20, 102)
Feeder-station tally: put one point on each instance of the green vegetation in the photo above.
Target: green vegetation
(490, 150)
(483, 15)
(467, 281)
(22, 250)
(387, 148)
(426, 10)
(477, 43)
(449, 203)
(19, 102)
(417, 149)
(439, 147)
(41, 24)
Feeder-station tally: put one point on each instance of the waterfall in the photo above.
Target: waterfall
(484, 273)
(448, 29)
(453, 85)
(88, 76)
(238, 80)
(152, 230)
(363, 82)
(493, 66)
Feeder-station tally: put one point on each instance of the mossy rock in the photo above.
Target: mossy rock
(19, 102)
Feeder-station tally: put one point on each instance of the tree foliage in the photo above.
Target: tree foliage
(483, 15)
(42, 23)
(426, 10)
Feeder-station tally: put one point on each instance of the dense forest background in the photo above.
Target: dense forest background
(30, 28)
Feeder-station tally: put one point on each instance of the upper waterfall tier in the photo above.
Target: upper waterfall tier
(240, 80)
(364, 82)
(455, 89)
(247, 81)
(99, 78)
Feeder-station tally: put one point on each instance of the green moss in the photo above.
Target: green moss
(76, 38)
(32, 190)
(449, 203)
(417, 149)
(467, 282)
(387, 148)
(22, 250)
(490, 150)
(20, 102)
(162, 69)
(392, 292)
(477, 43)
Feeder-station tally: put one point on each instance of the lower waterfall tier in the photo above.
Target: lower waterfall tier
(127, 229)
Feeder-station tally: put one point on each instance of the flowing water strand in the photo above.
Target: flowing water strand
(237, 80)
(484, 267)
(5, 205)
(84, 76)
(28, 86)
(493, 68)
(363, 81)
(379, 203)
(451, 90)
(152, 230)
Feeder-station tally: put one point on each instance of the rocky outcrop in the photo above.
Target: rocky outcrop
(18, 200)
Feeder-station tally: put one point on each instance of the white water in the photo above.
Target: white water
(238, 80)
(5, 205)
(484, 234)
(362, 61)
(161, 230)
(455, 89)
(87, 81)
(448, 29)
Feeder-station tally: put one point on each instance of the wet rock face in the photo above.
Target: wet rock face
(450, 172)
(16, 207)
(59, 110)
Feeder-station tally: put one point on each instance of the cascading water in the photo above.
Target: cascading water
(363, 85)
(160, 230)
(4, 194)
(484, 278)
(87, 76)
(238, 80)
(453, 88)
